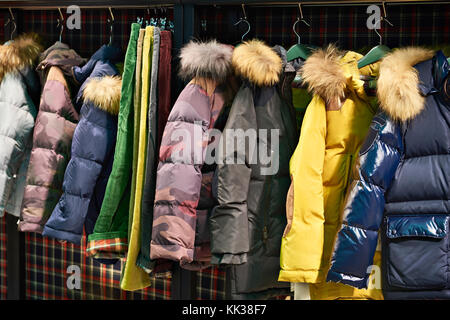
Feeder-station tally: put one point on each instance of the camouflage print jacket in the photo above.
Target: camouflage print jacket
(183, 197)
(52, 137)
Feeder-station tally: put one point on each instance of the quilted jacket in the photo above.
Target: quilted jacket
(401, 185)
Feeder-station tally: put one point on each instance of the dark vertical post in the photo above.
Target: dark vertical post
(16, 260)
(184, 282)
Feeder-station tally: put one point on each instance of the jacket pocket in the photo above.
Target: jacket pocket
(417, 251)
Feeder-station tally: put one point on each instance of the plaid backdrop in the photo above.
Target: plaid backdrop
(3, 260)
(426, 24)
(48, 269)
(94, 27)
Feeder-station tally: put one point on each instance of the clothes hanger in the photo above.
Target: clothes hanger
(244, 19)
(299, 50)
(111, 22)
(61, 24)
(12, 20)
(377, 52)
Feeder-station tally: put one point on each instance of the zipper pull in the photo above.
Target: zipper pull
(265, 234)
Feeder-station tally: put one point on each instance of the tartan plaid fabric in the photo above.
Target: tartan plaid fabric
(48, 272)
(425, 24)
(94, 27)
(107, 248)
(3, 260)
(211, 284)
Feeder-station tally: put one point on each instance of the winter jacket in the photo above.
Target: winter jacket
(92, 150)
(333, 129)
(401, 184)
(52, 137)
(183, 198)
(253, 178)
(110, 236)
(19, 94)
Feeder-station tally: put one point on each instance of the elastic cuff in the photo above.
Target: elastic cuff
(62, 235)
(171, 252)
(357, 282)
(25, 226)
(229, 258)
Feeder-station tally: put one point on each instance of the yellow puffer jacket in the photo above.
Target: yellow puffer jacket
(333, 129)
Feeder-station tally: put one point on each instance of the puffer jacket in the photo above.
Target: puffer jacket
(52, 137)
(183, 197)
(92, 150)
(333, 129)
(401, 184)
(19, 96)
(253, 179)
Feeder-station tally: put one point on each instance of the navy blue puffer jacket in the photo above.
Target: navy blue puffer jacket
(401, 184)
(92, 151)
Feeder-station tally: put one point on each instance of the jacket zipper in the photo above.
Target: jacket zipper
(266, 210)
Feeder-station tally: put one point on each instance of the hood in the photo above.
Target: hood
(210, 60)
(255, 61)
(398, 84)
(21, 52)
(323, 74)
(60, 55)
(104, 93)
(106, 53)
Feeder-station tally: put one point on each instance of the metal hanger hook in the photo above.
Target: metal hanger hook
(12, 20)
(295, 23)
(248, 24)
(61, 24)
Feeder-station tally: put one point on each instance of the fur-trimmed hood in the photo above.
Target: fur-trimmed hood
(21, 52)
(104, 93)
(209, 60)
(323, 74)
(398, 84)
(256, 62)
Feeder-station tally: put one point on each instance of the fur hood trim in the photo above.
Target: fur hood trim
(210, 60)
(255, 61)
(21, 52)
(398, 83)
(323, 74)
(104, 93)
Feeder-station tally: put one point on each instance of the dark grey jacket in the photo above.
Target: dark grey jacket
(247, 224)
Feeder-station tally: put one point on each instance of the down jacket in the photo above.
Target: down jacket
(19, 96)
(183, 197)
(253, 178)
(52, 137)
(333, 129)
(92, 151)
(401, 184)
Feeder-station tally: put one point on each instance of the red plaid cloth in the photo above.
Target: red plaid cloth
(211, 284)
(94, 27)
(425, 24)
(3, 260)
(48, 271)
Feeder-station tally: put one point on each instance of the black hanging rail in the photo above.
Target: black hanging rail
(53, 4)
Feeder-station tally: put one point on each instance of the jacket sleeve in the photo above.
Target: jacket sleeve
(229, 219)
(357, 239)
(301, 247)
(16, 129)
(178, 180)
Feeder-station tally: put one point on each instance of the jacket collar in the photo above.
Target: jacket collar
(104, 93)
(19, 53)
(404, 81)
(257, 63)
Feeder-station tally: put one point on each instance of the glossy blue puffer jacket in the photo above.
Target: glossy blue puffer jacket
(401, 184)
(92, 151)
